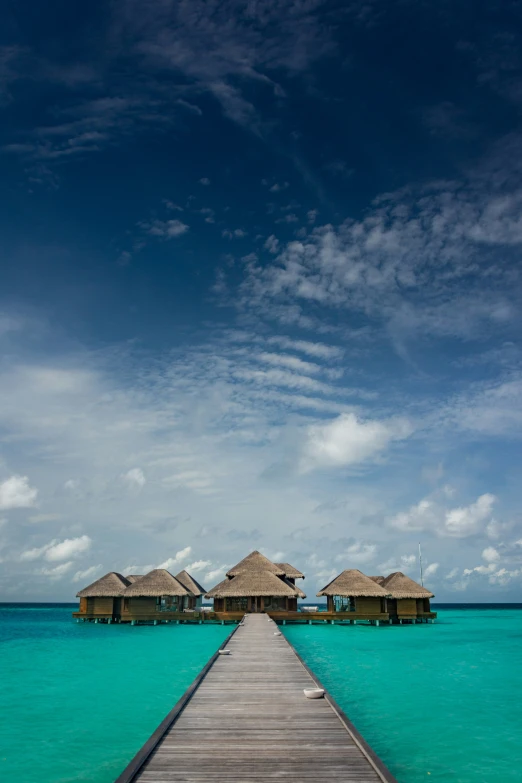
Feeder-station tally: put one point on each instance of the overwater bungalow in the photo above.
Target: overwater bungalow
(407, 599)
(195, 590)
(101, 600)
(256, 584)
(152, 595)
(356, 595)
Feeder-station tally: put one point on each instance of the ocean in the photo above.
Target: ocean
(77, 700)
(436, 702)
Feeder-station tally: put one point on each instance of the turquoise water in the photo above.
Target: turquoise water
(78, 700)
(438, 702)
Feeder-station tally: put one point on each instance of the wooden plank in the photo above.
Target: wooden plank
(246, 719)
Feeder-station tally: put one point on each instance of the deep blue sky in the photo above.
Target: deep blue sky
(260, 288)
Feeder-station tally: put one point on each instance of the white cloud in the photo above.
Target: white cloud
(419, 517)
(317, 350)
(71, 547)
(179, 558)
(166, 229)
(15, 492)
(431, 570)
(59, 550)
(467, 520)
(215, 576)
(272, 244)
(411, 245)
(198, 565)
(88, 573)
(278, 186)
(276, 377)
(491, 555)
(58, 571)
(459, 522)
(348, 440)
(135, 477)
(291, 362)
(452, 574)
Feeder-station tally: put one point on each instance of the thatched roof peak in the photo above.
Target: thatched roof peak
(254, 583)
(290, 571)
(109, 586)
(255, 561)
(155, 583)
(378, 579)
(353, 583)
(133, 578)
(398, 585)
(190, 584)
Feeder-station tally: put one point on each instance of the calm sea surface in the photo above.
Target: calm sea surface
(77, 700)
(437, 702)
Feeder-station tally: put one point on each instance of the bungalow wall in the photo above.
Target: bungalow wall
(255, 604)
(102, 607)
(368, 605)
(406, 606)
(145, 605)
(423, 605)
(363, 605)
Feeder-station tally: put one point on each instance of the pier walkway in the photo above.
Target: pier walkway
(246, 719)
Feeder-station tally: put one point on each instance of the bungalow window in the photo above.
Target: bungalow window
(166, 603)
(237, 604)
(275, 603)
(344, 603)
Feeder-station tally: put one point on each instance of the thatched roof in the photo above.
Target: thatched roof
(254, 583)
(133, 578)
(353, 583)
(378, 579)
(156, 583)
(297, 589)
(109, 586)
(398, 585)
(290, 571)
(255, 561)
(190, 584)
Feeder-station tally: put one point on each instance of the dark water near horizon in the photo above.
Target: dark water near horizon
(439, 702)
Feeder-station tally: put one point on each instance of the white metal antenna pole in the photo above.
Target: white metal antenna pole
(420, 564)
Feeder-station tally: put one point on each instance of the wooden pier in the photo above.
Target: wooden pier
(245, 718)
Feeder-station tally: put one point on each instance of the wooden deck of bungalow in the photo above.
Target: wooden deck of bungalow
(245, 718)
(282, 618)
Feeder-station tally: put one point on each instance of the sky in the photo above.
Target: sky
(260, 289)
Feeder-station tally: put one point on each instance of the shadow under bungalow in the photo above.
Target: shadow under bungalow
(255, 584)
